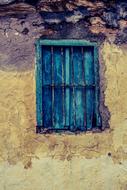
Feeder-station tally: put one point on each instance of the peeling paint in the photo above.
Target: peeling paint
(60, 161)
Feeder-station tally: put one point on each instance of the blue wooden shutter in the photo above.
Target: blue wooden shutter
(68, 88)
(90, 86)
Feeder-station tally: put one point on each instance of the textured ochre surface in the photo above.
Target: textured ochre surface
(91, 161)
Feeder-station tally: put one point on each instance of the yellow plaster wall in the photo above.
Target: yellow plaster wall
(91, 161)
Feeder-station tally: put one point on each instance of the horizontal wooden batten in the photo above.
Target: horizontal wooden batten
(66, 43)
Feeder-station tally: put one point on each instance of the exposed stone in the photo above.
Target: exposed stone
(111, 18)
(49, 1)
(122, 10)
(97, 21)
(90, 161)
(98, 17)
(18, 8)
(5, 2)
(91, 5)
(123, 23)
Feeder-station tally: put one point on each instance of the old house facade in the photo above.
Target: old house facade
(86, 160)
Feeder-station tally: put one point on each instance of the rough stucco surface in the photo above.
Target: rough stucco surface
(87, 161)
(63, 161)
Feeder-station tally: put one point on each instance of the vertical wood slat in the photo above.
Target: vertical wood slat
(89, 80)
(84, 90)
(38, 72)
(47, 107)
(98, 122)
(58, 103)
(78, 91)
(46, 90)
(73, 103)
(67, 90)
(52, 63)
(63, 84)
(46, 66)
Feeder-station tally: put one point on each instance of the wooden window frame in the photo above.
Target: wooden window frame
(38, 74)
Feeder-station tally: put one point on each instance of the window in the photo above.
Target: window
(67, 86)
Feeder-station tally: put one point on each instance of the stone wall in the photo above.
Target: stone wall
(86, 161)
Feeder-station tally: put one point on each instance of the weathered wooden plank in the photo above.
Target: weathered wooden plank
(89, 66)
(63, 83)
(89, 80)
(52, 84)
(47, 107)
(57, 65)
(83, 91)
(46, 90)
(58, 100)
(58, 115)
(67, 90)
(89, 108)
(98, 122)
(78, 80)
(67, 43)
(77, 61)
(72, 94)
(46, 66)
(38, 70)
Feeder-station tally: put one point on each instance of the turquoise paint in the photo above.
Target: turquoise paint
(67, 90)
(58, 98)
(77, 62)
(98, 122)
(46, 90)
(89, 80)
(68, 108)
(89, 66)
(72, 94)
(66, 43)
(78, 91)
(57, 61)
(38, 73)
(46, 65)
